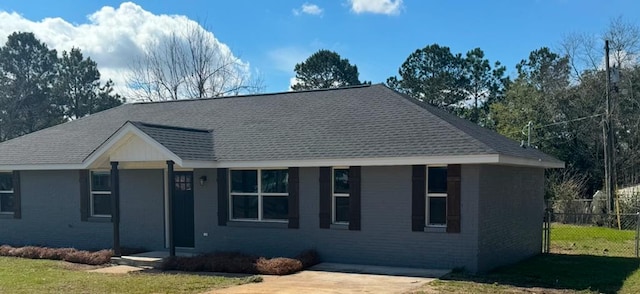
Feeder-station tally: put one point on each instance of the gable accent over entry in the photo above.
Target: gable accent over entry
(143, 142)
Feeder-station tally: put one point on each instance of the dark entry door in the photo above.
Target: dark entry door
(183, 209)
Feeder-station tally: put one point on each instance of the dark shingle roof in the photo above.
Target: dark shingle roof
(186, 143)
(357, 122)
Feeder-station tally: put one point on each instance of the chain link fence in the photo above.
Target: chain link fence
(592, 234)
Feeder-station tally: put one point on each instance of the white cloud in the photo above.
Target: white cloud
(311, 9)
(113, 37)
(307, 8)
(389, 7)
(292, 81)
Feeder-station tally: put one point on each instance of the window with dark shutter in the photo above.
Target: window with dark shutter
(453, 198)
(436, 209)
(418, 192)
(223, 196)
(84, 194)
(10, 194)
(17, 196)
(325, 197)
(294, 197)
(354, 198)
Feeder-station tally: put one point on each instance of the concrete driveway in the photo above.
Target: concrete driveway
(341, 278)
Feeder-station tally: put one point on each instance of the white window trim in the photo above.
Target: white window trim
(7, 192)
(433, 195)
(336, 195)
(259, 194)
(93, 193)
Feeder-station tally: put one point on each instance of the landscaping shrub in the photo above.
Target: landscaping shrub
(278, 266)
(66, 254)
(308, 258)
(233, 262)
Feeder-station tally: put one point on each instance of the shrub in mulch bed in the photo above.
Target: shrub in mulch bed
(66, 254)
(233, 262)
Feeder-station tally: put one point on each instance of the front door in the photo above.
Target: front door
(183, 209)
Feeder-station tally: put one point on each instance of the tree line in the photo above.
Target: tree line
(39, 89)
(559, 93)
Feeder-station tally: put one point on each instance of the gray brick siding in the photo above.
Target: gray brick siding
(51, 212)
(142, 209)
(510, 218)
(385, 239)
(501, 213)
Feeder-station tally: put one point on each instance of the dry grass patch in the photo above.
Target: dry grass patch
(65, 254)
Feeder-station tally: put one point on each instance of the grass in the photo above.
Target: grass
(18, 275)
(583, 260)
(591, 240)
(551, 273)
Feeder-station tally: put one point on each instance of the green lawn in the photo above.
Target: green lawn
(552, 273)
(571, 239)
(578, 263)
(18, 275)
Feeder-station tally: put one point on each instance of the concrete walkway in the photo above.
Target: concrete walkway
(326, 278)
(341, 278)
(117, 269)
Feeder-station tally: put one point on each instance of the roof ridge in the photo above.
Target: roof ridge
(256, 95)
(169, 127)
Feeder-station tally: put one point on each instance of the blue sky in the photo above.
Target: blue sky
(274, 35)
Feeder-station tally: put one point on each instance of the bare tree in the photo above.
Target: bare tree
(586, 51)
(624, 40)
(189, 64)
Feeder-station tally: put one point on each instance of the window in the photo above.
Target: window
(6, 193)
(436, 196)
(100, 194)
(260, 194)
(340, 195)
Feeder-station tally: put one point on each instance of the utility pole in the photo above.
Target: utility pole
(609, 162)
(529, 125)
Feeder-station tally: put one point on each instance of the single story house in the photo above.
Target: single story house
(361, 174)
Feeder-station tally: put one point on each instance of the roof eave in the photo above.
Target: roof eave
(385, 161)
(519, 161)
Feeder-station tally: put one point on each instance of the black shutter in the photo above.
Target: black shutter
(223, 196)
(325, 197)
(294, 197)
(418, 198)
(84, 194)
(453, 198)
(17, 206)
(354, 198)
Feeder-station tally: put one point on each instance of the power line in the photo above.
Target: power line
(568, 121)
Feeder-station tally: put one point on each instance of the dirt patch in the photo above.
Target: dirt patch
(329, 282)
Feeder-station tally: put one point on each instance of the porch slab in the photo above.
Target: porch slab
(152, 259)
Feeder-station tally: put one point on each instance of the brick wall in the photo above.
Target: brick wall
(385, 239)
(510, 214)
